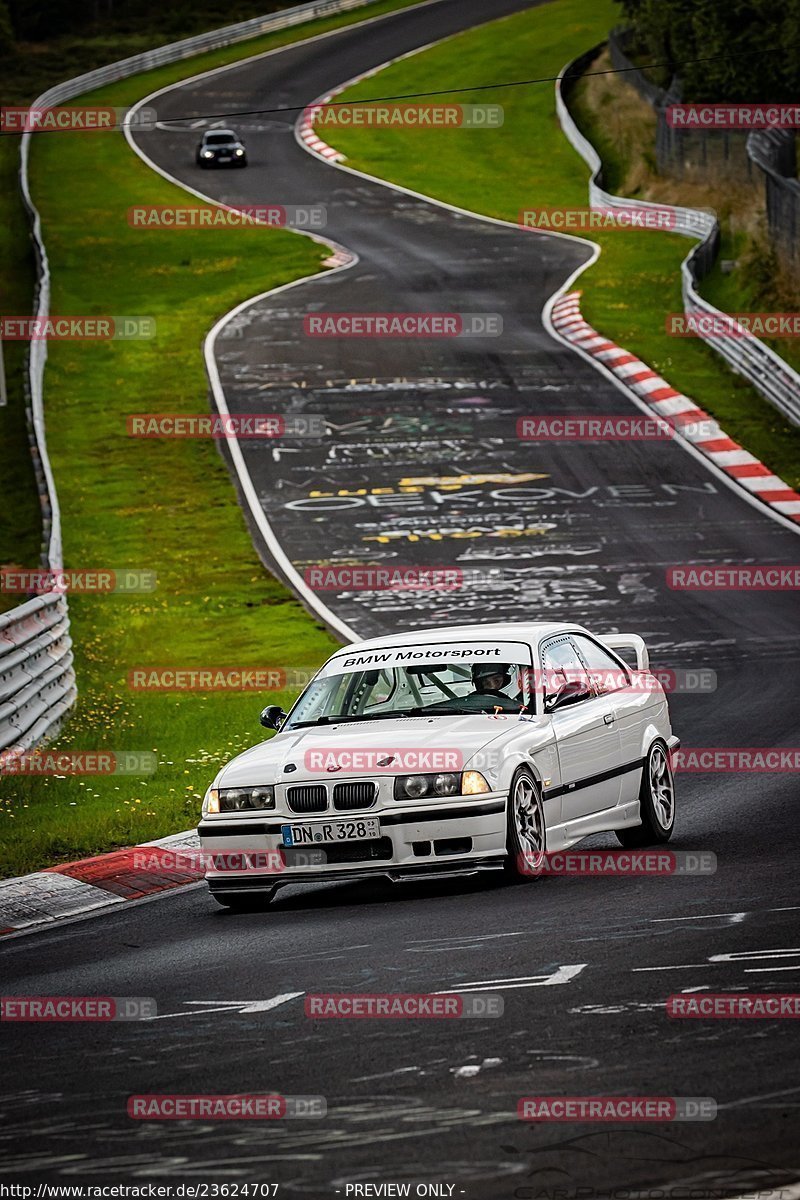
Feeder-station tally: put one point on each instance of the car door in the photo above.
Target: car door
(633, 708)
(587, 739)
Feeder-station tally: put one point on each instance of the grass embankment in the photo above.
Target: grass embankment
(164, 506)
(528, 163)
(33, 68)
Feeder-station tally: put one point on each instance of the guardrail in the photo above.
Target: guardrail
(745, 353)
(774, 152)
(37, 679)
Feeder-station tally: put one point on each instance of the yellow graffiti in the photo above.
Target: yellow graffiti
(437, 536)
(459, 481)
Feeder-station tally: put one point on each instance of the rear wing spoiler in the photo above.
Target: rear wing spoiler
(629, 641)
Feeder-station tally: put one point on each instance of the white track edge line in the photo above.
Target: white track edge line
(729, 481)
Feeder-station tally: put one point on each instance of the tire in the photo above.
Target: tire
(246, 902)
(656, 802)
(526, 836)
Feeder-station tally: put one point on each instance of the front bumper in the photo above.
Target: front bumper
(446, 838)
(222, 161)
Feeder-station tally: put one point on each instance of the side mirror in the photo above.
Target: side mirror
(571, 693)
(273, 717)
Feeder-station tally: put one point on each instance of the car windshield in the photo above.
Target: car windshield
(220, 139)
(446, 688)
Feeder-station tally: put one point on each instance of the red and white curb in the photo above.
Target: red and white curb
(80, 887)
(309, 136)
(339, 258)
(305, 123)
(678, 410)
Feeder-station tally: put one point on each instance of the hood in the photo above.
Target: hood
(360, 747)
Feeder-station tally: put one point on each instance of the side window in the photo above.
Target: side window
(562, 669)
(605, 673)
(382, 692)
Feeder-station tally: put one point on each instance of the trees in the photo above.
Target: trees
(753, 45)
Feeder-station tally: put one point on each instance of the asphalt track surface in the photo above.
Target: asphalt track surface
(435, 1101)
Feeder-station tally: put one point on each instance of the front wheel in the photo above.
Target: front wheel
(526, 837)
(656, 802)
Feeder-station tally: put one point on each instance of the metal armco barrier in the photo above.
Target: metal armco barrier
(37, 679)
(746, 354)
(774, 152)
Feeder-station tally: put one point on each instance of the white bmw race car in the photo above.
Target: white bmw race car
(451, 751)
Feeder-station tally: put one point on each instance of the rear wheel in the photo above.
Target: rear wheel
(246, 902)
(526, 837)
(656, 802)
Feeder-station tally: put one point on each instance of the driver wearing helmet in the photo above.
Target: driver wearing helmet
(489, 679)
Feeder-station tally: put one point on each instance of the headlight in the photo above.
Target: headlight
(421, 787)
(239, 799)
(239, 153)
(207, 153)
(446, 785)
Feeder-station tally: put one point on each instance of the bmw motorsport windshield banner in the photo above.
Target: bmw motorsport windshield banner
(437, 654)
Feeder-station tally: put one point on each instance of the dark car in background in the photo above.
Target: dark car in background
(221, 148)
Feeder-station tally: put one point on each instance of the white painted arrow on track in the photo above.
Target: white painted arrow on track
(240, 1006)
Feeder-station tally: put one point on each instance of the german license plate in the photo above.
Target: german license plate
(317, 832)
(224, 158)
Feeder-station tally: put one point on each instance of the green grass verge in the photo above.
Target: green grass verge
(756, 283)
(164, 506)
(30, 72)
(528, 163)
